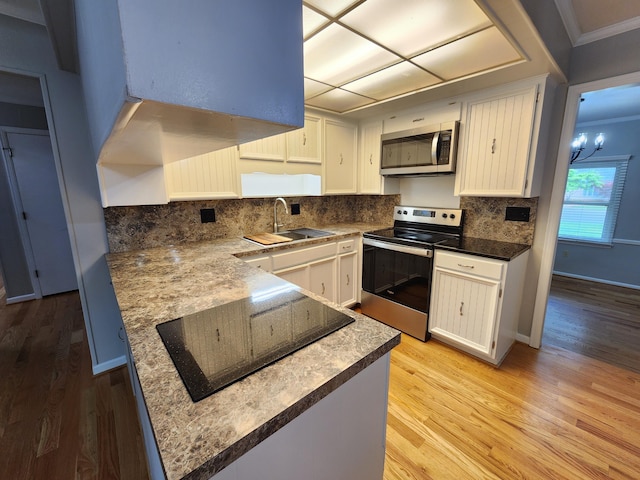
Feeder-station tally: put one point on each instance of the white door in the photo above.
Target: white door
(39, 193)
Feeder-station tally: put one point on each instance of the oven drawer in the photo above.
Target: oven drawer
(471, 264)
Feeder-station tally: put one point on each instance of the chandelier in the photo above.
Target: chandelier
(580, 142)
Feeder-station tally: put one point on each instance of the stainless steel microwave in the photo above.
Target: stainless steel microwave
(427, 150)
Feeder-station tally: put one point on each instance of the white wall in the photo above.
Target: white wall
(435, 192)
(26, 50)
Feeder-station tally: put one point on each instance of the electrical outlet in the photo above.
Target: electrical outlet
(295, 209)
(517, 214)
(207, 215)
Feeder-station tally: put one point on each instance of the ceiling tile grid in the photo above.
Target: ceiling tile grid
(359, 52)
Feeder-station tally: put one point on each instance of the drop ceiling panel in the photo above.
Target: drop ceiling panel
(313, 88)
(332, 7)
(336, 56)
(392, 81)
(312, 21)
(338, 100)
(475, 53)
(416, 25)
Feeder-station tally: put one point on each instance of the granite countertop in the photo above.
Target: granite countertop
(196, 440)
(485, 248)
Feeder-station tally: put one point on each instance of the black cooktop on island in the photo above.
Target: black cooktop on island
(213, 348)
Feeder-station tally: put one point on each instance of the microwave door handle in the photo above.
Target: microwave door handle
(435, 143)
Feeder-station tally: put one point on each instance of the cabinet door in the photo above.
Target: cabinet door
(322, 278)
(304, 145)
(497, 145)
(340, 157)
(464, 309)
(298, 275)
(369, 159)
(347, 281)
(270, 148)
(212, 175)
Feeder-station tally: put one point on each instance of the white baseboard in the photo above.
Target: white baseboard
(110, 364)
(597, 280)
(522, 338)
(21, 298)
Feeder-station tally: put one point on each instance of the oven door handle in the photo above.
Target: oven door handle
(423, 252)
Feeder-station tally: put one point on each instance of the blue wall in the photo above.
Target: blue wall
(619, 263)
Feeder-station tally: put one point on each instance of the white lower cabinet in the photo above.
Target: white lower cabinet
(329, 269)
(475, 303)
(312, 268)
(347, 273)
(322, 278)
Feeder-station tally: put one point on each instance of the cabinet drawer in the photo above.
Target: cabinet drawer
(471, 264)
(347, 246)
(303, 255)
(261, 261)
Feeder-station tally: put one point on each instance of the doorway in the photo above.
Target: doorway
(31, 173)
(35, 248)
(551, 249)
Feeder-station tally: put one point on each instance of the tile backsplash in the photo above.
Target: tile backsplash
(485, 218)
(132, 228)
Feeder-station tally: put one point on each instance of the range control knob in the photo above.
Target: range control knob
(444, 215)
(399, 212)
(452, 216)
(404, 212)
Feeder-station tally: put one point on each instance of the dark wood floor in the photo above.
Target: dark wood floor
(594, 319)
(57, 421)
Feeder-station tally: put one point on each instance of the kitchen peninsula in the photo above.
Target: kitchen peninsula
(320, 410)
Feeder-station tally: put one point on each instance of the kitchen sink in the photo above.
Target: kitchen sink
(302, 233)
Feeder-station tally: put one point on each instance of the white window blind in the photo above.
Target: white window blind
(591, 200)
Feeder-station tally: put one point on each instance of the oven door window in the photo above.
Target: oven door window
(401, 277)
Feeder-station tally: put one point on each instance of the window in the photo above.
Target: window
(591, 200)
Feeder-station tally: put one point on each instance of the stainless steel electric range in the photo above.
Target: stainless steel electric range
(398, 262)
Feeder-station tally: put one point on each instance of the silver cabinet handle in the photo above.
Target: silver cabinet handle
(466, 266)
(461, 305)
(341, 159)
(371, 159)
(493, 146)
(322, 288)
(304, 139)
(348, 281)
(417, 119)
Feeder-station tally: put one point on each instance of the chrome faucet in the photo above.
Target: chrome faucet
(277, 225)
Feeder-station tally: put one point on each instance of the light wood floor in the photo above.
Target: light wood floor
(594, 319)
(544, 414)
(57, 421)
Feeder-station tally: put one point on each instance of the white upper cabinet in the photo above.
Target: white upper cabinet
(270, 148)
(501, 132)
(305, 144)
(299, 146)
(340, 148)
(209, 176)
(369, 178)
(164, 81)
